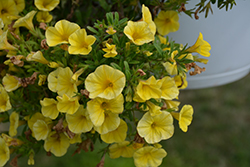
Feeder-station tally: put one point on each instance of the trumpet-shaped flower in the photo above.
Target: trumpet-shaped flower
(44, 17)
(149, 156)
(149, 89)
(4, 152)
(67, 104)
(98, 106)
(60, 33)
(185, 117)
(168, 88)
(40, 126)
(40, 130)
(10, 83)
(110, 51)
(26, 21)
(49, 108)
(201, 46)
(153, 109)
(156, 128)
(4, 44)
(181, 81)
(4, 100)
(146, 16)
(138, 32)
(79, 122)
(166, 22)
(172, 104)
(37, 56)
(57, 143)
(105, 82)
(14, 122)
(80, 42)
(61, 81)
(124, 149)
(110, 30)
(46, 5)
(117, 135)
(110, 123)
(10, 141)
(7, 8)
(20, 5)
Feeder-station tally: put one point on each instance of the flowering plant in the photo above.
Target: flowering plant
(71, 79)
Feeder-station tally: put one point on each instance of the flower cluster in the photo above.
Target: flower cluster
(117, 81)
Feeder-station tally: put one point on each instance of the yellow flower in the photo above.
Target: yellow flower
(67, 104)
(110, 51)
(148, 89)
(146, 16)
(105, 82)
(156, 128)
(185, 117)
(79, 122)
(117, 135)
(10, 141)
(46, 5)
(149, 156)
(110, 123)
(60, 33)
(201, 46)
(166, 22)
(171, 67)
(153, 109)
(110, 30)
(44, 17)
(57, 143)
(4, 44)
(138, 32)
(4, 100)
(10, 83)
(181, 81)
(168, 88)
(124, 149)
(20, 5)
(40, 130)
(52, 80)
(14, 122)
(172, 104)
(80, 42)
(42, 80)
(4, 152)
(40, 126)
(49, 108)
(26, 21)
(31, 158)
(7, 8)
(200, 60)
(162, 39)
(37, 56)
(61, 81)
(98, 106)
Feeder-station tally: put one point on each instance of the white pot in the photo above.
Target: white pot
(228, 33)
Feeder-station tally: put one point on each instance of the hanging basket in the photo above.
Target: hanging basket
(229, 35)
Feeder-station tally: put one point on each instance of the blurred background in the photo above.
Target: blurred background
(218, 136)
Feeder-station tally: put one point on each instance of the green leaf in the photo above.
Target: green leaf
(92, 29)
(116, 66)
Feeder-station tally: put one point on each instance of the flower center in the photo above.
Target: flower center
(153, 125)
(167, 20)
(104, 105)
(110, 84)
(3, 11)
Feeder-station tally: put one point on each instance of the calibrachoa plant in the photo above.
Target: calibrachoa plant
(65, 82)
